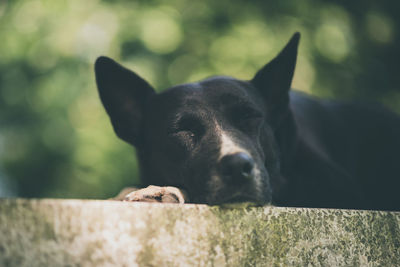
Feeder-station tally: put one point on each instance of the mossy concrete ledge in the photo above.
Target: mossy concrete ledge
(107, 233)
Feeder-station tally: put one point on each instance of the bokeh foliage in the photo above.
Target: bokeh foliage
(55, 138)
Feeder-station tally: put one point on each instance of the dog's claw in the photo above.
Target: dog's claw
(165, 194)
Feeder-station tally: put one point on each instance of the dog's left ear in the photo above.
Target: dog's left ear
(274, 79)
(124, 95)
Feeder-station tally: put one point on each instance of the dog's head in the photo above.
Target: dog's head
(215, 138)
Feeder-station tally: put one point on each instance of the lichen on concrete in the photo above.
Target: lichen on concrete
(99, 233)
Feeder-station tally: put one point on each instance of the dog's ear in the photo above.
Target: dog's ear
(275, 78)
(124, 96)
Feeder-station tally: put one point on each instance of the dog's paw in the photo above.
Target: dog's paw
(164, 194)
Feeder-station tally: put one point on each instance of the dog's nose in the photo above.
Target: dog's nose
(236, 168)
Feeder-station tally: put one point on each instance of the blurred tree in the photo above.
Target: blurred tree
(55, 138)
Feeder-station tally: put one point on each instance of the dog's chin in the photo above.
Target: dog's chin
(237, 199)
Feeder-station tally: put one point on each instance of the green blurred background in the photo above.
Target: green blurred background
(55, 138)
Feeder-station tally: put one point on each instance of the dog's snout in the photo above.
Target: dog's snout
(236, 168)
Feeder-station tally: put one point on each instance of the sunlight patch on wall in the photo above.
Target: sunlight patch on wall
(27, 18)
(146, 67)
(228, 54)
(96, 34)
(304, 75)
(160, 32)
(379, 27)
(333, 37)
(331, 43)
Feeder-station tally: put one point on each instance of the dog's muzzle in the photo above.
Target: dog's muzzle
(236, 169)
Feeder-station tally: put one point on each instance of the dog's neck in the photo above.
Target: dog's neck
(286, 137)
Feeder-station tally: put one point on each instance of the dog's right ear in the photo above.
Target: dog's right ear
(275, 78)
(124, 96)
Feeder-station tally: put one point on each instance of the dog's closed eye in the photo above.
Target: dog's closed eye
(190, 125)
(246, 117)
(188, 130)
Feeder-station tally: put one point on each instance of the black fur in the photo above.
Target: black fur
(309, 152)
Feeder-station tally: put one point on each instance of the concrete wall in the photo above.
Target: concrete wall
(103, 233)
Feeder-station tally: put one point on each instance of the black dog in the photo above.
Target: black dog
(226, 140)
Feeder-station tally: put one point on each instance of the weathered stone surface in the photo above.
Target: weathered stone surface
(104, 233)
